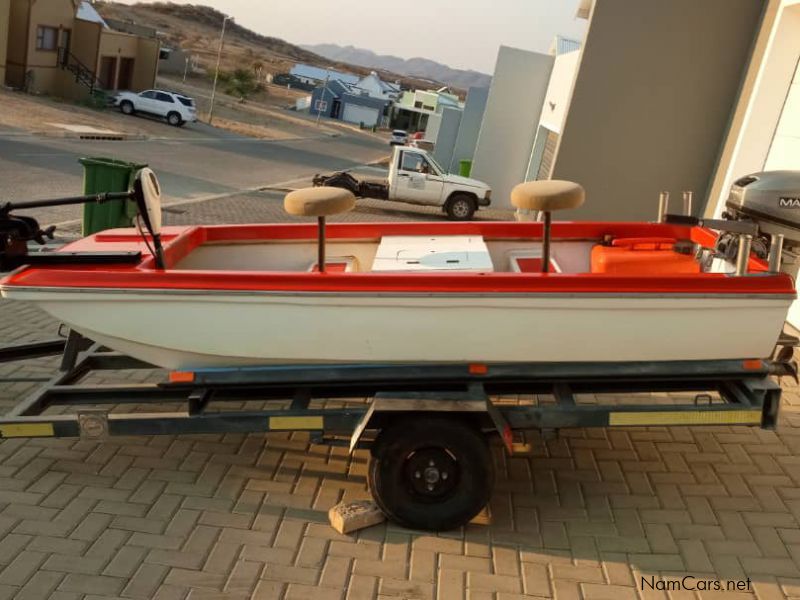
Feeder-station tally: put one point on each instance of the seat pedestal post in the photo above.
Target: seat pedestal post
(321, 244)
(546, 242)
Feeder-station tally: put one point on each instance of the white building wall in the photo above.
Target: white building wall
(446, 137)
(510, 121)
(470, 126)
(785, 150)
(559, 90)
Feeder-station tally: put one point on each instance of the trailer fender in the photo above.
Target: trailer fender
(473, 405)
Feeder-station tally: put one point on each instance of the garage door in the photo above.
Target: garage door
(353, 113)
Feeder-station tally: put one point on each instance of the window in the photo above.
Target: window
(161, 96)
(149, 94)
(46, 38)
(414, 162)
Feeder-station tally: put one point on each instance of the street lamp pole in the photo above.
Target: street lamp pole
(216, 70)
(322, 98)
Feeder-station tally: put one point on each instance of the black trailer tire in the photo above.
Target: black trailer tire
(431, 473)
(126, 107)
(460, 207)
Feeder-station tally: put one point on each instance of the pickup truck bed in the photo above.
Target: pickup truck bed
(363, 188)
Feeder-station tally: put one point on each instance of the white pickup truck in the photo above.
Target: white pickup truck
(416, 178)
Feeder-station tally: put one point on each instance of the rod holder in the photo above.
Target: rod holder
(321, 244)
(775, 253)
(663, 206)
(687, 203)
(743, 255)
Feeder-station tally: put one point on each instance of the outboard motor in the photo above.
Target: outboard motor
(770, 199)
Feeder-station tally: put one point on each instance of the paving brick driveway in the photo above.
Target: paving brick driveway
(586, 514)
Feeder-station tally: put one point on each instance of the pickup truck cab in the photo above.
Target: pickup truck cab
(416, 178)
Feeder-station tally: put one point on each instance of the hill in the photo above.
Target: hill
(412, 67)
(196, 29)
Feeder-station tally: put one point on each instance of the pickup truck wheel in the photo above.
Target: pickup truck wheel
(174, 119)
(460, 207)
(431, 473)
(126, 106)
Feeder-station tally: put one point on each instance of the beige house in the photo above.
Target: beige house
(64, 48)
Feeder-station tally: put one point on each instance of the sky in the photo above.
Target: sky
(464, 34)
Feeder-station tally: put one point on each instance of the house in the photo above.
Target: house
(375, 87)
(175, 61)
(417, 110)
(316, 75)
(65, 48)
(338, 100)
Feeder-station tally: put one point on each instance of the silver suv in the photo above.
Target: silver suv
(175, 108)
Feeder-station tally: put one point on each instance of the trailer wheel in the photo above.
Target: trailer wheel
(431, 473)
(460, 207)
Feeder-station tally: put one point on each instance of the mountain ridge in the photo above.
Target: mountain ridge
(412, 67)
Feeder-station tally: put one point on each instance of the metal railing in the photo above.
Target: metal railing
(83, 74)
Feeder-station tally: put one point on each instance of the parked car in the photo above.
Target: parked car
(399, 138)
(177, 109)
(416, 178)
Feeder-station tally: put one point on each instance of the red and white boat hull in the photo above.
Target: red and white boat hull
(250, 295)
(179, 330)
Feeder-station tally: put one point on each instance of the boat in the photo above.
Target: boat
(218, 296)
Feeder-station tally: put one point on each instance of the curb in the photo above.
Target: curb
(72, 135)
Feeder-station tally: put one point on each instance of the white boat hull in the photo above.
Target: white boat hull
(189, 330)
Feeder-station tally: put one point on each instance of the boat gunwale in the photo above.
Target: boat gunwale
(179, 242)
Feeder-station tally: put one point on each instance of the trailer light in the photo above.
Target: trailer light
(181, 376)
(754, 364)
(478, 369)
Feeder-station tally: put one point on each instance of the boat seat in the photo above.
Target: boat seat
(319, 202)
(548, 195)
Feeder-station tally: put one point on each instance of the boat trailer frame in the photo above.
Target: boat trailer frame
(425, 424)
(750, 396)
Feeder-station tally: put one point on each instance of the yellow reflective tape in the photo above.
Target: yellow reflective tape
(688, 417)
(284, 423)
(27, 430)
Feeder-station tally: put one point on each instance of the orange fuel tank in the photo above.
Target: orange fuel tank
(642, 256)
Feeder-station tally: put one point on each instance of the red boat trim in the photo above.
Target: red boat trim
(180, 241)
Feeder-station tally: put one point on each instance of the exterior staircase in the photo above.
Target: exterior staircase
(83, 74)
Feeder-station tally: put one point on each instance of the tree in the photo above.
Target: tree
(241, 83)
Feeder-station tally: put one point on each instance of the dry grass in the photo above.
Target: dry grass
(36, 113)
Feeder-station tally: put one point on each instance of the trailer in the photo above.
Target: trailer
(426, 425)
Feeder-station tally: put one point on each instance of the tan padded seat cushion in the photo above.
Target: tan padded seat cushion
(548, 195)
(319, 201)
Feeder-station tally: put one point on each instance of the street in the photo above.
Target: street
(199, 162)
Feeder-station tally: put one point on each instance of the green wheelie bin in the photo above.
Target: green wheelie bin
(107, 175)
